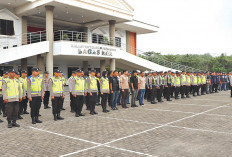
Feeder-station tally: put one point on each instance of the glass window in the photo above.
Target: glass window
(117, 41)
(6, 27)
(97, 38)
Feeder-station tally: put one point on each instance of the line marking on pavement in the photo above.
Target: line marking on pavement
(168, 111)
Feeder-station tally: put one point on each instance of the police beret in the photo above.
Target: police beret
(34, 69)
(94, 71)
(17, 73)
(78, 71)
(11, 71)
(56, 71)
(46, 72)
(24, 71)
(74, 72)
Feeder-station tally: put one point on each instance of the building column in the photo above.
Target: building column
(112, 31)
(102, 65)
(85, 66)
(127, 42)
(24, 41)
(49, 31)
(112, 64)
(40, 63)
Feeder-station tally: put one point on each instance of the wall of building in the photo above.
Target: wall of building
(11, 40)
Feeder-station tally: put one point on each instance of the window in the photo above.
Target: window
(6, 27)
(117, 41)
(97, 38)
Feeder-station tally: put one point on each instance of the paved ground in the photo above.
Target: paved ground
(199, 126)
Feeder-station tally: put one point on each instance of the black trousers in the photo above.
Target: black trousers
(159, 93)
(182, 90)
(104, 98)
(35, 105)
(230, 91)
(187, 90)
(1, 103)
(168, 91)
(87, 101)
(20, 108)
(24, 104)
(12, 109)
(46, 98)
(177, 90)
(172, 91)
(78, 103)
(191, 89)
(203, 88)
(198, 89)
(124, 97)
(194, 89)
(153, 93)
(3, 107)
(72, 101)
(92, 100)
(148, 94)
(56, 105)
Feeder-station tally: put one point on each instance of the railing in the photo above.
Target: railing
(64, 35)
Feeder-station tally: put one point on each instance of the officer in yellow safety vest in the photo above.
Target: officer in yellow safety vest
(177, 84)
(92, 91)
(182, 84)
(1, 98)
(172, 84)
(153, 87)
(17, 76)
(194, 83)
(199, 83)
(105, 90)
(12, 96)
(149, 79)
(5, 77)
(203, 87)
(46, 90)
(56, 89)
(35, 93)
(24, 101)
(188, 84)
(160, 80)
(61, 75)
(70, 91)
(78, 92)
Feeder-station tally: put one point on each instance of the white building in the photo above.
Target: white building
(71, 34)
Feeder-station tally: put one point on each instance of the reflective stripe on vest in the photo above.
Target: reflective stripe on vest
(12, 89)
(177, 80)
(188, 80)
(80, 84)
(195, 80)
(183, 78)
(105, 84)
(93, 83)
(24, 80)
(57, 86)
(203, 79)
(199, 79)
(36, 84)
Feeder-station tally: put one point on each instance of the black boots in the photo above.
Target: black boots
(55, 117)
(33, 120)
(9, 124)
(1, 121)
(59, 117)
(14, 124)
(37, 120)
(20, 117)
(46, 107)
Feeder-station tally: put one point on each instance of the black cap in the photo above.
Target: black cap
(17, 73)
(46, 72)
(56, 71)
(35, 69)
(169, 71)
(5, 72)
(11, 71)
(94, 71)
(24, 71)
(78, 71)
(59, 71)
(73, 72)
(134, 71)
(177, 72)
(165, 72)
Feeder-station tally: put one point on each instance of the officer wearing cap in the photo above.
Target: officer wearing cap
(46, 90)
(92, 91)
(61, 75)
(182, 84)
(70, 91)
(5, 77)
(177, 84)
(17, 77)
(149, 86)
(199, 83)
(160, 81)
(188, 84)
(203, 87)
(105, 90)
(172, 84)
(194, 83)
(153, 87)
(57, 94)
(12, 96)
(35, 94)
(78, 92)
(168, 80)
(24, 101)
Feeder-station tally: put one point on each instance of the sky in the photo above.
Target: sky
(186, 26)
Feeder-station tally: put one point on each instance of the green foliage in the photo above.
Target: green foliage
(204, 62)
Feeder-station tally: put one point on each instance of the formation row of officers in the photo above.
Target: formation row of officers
(16, 91)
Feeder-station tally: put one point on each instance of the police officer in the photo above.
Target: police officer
(194, 83)
(57, 94)
(5, 77)
(12, 96)
(92, 91)
(61, 75)
(1, 98)
(188, 84)
(172, 84)
(199, 83)
(78, 92)
(35, 94)
(149, 86)
(182, 84)
(153, 87)
(70, 91)
(24, 101)
(168, 79)
(203, 81)
(23, 92)
(177, 84)
(46, 90)
(160, 80)
(208, 83)
(104, 88)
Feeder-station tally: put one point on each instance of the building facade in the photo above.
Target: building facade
(71, 34)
